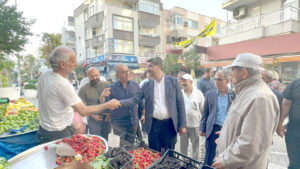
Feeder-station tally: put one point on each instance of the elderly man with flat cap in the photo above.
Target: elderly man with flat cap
(252, 119)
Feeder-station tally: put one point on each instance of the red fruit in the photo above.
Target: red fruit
(46, 148)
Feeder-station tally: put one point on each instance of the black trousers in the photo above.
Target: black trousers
(47, 136)
(292, 139)
(100, 128)
(210, 145)
(162, 135)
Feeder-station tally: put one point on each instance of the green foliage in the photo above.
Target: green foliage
(5, 68)
(191, 60)
(50, 42)
(29, 65)
(30, 86)
(14, 29)
(79, 78)
(171, 65)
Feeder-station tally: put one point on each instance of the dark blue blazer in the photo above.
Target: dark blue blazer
(174, 101)
(210, 110)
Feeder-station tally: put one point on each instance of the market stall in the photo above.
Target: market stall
(19, 121)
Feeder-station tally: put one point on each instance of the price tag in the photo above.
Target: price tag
(113, 140)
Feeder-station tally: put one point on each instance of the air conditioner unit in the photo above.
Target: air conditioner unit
(185, 23)
(239, 13)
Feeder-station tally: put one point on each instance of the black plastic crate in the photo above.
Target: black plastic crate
(128, 165)
(183, 161)
(206, 167)
(130, 142)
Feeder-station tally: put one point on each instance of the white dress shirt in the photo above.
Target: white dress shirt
(194, 104)
(160, 107)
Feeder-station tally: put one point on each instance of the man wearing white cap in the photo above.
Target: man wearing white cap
(246, 135)
(194, 102)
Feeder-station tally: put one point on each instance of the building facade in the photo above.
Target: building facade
(180, 24)
(109, 32)
(269, 28)
(68, 34)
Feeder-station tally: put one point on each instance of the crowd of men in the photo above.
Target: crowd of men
(236, 110)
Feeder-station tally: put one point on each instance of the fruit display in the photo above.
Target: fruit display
(172, 163)
(87, 148)
(144, 157)
(120, 158)
(4, 164)
(18, 117)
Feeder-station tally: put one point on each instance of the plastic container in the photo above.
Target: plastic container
(133, 143)
(193, 164)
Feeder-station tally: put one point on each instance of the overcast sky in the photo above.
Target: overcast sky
(51, 15)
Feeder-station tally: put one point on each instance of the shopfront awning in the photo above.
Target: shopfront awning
(267, 61)
(289, 58)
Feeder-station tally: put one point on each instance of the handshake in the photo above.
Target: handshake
(112, 104)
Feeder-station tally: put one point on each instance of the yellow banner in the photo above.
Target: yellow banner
(210, 30)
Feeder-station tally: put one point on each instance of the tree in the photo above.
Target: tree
(14, 29)
(29, 65)
(191, 60)
(5, 68)
(50, 42)
(171, 65)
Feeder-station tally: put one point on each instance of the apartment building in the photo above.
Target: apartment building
(68, 34)
(270, 28)
(180, 24)
(118, 31)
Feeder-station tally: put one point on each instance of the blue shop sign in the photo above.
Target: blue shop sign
(121, 58)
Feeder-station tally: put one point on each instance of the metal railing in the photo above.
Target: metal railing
(264, 20)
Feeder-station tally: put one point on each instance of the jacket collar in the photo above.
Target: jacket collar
(248, 82)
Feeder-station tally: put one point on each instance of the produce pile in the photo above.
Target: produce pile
(18, 117)
(4, 164)
(119, 157)
(143, 157)
(87, 148)
(172, 163)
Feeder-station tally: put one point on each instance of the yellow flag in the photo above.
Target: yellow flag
(185, 43)
(210, 30)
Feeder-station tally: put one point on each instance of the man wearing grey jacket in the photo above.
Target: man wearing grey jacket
(247, 132)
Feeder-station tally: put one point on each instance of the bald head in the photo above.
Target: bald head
(94, 75)
(122, 72)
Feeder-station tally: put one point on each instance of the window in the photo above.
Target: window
(192, 24)
(92, 10)
(123, 46)
(177, 19)
(94, 33)
(218, 29)
(86, 15)
(87, 34)
(123, 23)
(149, 7)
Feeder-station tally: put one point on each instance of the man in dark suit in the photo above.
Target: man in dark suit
(217, 102)
(165, 112)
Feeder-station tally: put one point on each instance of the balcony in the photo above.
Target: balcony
(230, 5)
(97, 41)
(148, 20)
(273, 23)
(149, 40)
(95, 20)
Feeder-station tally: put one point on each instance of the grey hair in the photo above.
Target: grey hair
(59, 54)
(252, 71)
(268, 73)
(225, 72)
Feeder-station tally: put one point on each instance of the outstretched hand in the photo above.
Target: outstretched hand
(113, 104)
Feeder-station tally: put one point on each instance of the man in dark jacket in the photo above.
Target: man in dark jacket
(217, 102)
(164, 104)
